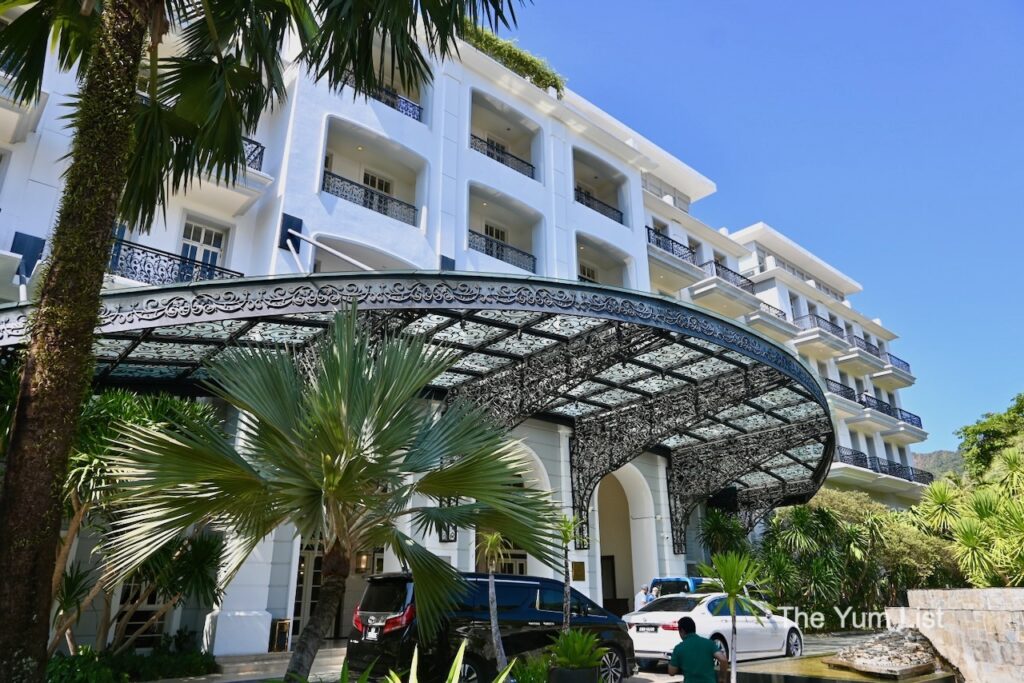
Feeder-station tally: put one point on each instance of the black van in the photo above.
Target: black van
(529, 615)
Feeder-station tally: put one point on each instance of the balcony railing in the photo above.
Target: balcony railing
(369, 197)
(501, 156)
(253, 154)
(896, 362)
(851, 456)
(716, 269)
(392, 99)
(863, 344)
(840, 389)
(596, 204)
(666, 243)
(869, 401)
(153, 266)
(502, 251)
(777, 312)
(908, 417)
(810, 322)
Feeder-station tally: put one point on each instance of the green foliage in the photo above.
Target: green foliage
(576, 649)
(992, 433)
(940, 463)
(721, 532)
(74, 586)
(531, 670)
(515, 58)
(454, 672)
(729, 573)
(174, 657)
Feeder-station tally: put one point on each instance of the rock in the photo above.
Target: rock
(893, 651)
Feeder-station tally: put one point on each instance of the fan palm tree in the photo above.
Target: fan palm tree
(229, 69)
(940, 506)
(730, 573)
(340, 444)
(493, 549)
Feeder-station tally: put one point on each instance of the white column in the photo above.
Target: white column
(241, 623)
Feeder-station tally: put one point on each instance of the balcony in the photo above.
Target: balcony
(671, 246)
(895, 374)
(502, 251)
(131, 264)
(672, 264)
(819, 338)
(369, 198)
(391, 98)
(862, 357)
(18, 119)
(502, 156)
(908, 430)
(850, 456)
(772, 322)
(253, 153)
(725, 291)
(592, 202)
(843, 399)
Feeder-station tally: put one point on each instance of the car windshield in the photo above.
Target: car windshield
(388, 596)
(673, 586)
(671, 604)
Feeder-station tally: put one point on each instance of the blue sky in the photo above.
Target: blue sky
(886, 137)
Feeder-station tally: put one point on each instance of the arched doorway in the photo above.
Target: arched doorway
(628, 552)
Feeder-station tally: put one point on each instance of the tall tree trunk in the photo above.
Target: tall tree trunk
(566, 596)
(103, 627)
(333, 574)
(732, 652)
(58, 364)
(492, 604)
(69, 540)
(164, 609)
(122, 625)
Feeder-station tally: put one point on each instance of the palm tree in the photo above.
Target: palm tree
(567, 526)
(940, 506)
(730, 573)
(721, 532)
(340, 444)
(493, 549)
(200, 103)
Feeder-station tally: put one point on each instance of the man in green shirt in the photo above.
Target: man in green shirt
(695, 656)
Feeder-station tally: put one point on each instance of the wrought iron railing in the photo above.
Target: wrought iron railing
(502, 251)
(391, 99)
(908, 417)
(896, 362)
(777, 312)
(253, 154)
(666, 243)
(809, 322)
(156, 267)
(716, 269)
(592, 202)
(852, 456)
(840, 389)
(501, 156)
(869, 401)
(369, 197)
(863, 344)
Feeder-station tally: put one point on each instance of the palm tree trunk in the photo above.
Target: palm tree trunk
(122, 626)
(334, 573)
(492, 604)
(65, 543)
(57, 367)
(566, 597)
(732, 652)
(164, 609)
(103, 628)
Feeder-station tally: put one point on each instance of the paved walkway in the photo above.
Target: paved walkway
(328, 662)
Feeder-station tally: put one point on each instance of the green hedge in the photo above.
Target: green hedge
(176, 657)
(506, 52)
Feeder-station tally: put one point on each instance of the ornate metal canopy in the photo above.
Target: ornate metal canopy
(737, 416)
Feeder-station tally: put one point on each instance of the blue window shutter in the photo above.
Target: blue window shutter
(289, 223)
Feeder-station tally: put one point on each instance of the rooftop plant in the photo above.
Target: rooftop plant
(515, 58)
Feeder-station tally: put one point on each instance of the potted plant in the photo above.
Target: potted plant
(575, 657)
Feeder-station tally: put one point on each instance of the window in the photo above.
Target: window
(496, 149)
(203, 242)
(496, 233)
(660, 227)
(375, 181)
(329, 162)
(693, 244)
(588, 273)
(511, 596)
(671, 604)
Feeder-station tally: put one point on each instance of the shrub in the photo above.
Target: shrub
(515, 58)
(575, 649)
(531, 670)
(175, 656)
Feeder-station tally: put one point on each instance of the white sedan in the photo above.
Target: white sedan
(655, 630)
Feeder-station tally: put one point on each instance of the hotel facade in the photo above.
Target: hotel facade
(481, 172)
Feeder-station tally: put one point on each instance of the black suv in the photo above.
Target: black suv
(529, 615)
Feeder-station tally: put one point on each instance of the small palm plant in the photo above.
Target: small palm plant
(339, 443)
(566, 527)
(575, 649)
(730, 573)
(493, 550)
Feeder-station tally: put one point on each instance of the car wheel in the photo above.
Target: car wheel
(794, 643)
(723, 646)
(613, 666)
(473, 671)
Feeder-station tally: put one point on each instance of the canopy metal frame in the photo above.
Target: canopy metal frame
(736, 416)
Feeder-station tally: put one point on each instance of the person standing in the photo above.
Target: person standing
(640, 599)
(695, 656)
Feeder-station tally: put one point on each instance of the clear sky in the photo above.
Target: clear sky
(887, 136)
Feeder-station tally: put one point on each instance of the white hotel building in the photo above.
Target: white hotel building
(481, 172)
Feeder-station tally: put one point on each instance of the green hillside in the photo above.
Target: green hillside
(940, 462)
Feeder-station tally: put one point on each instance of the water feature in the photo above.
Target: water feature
(814, 670)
